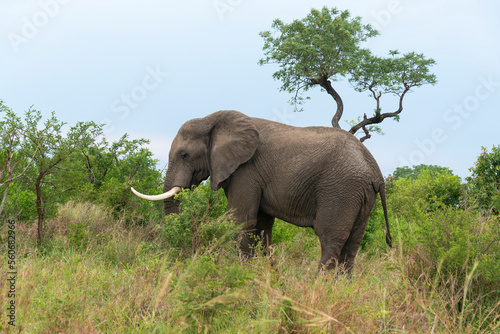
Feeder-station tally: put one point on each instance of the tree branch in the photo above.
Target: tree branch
(378, 117)
(367, 133)
(327, 85)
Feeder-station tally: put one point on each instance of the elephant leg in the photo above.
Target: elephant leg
(259, 234)
(333, 228)
(264, 231)
(245, 209)
(350, 249)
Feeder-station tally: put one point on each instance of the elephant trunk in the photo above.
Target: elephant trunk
(170, 206)
(169, 192)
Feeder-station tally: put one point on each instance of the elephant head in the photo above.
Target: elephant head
(213, 146)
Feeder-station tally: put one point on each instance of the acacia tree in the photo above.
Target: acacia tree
(15, 153)
(54, 148)
(108, 170)
(325, 47)
(483, 186)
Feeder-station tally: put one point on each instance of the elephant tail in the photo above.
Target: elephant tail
(388, 237)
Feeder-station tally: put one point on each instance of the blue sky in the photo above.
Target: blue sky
(146, 67)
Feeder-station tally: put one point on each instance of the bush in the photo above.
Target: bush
(116, 195)
(211, 292)
(483, 187)
(79, 225)
(444, 238)
(297, 242)
(429, 191)
(203, 219)
(20, 203)
(454, 240)
(411, 191)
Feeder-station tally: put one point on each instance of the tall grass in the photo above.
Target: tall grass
(94, 274)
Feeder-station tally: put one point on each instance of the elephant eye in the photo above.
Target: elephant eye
(184, 155)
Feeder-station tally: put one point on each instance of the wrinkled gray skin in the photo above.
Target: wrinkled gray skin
(317, 177)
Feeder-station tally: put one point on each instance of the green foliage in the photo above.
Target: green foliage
(428, 191)
(325, 47)
(104, 173)
(415, 171)
(78, 235)
(45, 147)
(484, 183)
(439, 235)
(211, 291)
(16, 152)
(374, 237)
(453, 242)
(297, 242)
(201, 221)
(48, 164)
(391, 75)
(322, 45)
(20, 203)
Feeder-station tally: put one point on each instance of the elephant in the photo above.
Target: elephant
(319, 177)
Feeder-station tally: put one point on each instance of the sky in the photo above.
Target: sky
(146, 67)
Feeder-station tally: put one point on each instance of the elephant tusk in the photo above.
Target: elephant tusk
(168, 194)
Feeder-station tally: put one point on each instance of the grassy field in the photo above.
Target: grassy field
(94, 274)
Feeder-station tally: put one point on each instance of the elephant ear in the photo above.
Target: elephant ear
(233, 141)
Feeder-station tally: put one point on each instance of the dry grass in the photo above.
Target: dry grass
(94, 275)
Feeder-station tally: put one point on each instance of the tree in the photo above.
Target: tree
(415, 171)
(110, 169)
(53, 149)
(483, 186)
(15, 154)
(425, 190)
(49, 164)
(435, 181)
(325, 47)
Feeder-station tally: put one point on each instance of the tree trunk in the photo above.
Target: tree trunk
(4, 198)
(39, 208)
(327, 85)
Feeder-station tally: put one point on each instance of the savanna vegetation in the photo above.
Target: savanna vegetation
(87, 256)
(93, 258)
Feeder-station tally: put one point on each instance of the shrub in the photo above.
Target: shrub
(297, 242)
(79, 225)
(211, 292)
(411, 191)
(20, 203)
(443, 238)
(203, 219)
(483, 185)
(453, 240)
(413, 173)
(429, 191)
(117, 195)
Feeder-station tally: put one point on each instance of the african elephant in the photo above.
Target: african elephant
(319, 177)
